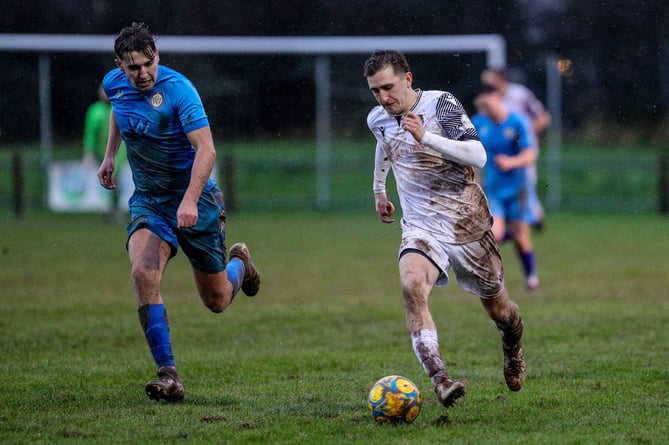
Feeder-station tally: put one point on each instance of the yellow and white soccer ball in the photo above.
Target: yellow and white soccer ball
(394, 399)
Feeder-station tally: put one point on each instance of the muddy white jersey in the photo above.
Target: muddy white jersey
(436, 194)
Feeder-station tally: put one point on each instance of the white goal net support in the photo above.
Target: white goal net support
(321, 47)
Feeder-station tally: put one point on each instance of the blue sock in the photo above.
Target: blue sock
(235, 271)
(153, 318)
(529, 263)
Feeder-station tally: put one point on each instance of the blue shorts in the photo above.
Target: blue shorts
(203, 244)
(511, 207)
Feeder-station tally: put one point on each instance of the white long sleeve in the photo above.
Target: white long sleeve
(468, 152)
(381, 168)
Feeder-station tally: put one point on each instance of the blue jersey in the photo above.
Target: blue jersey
(154, 125)
(509, 138)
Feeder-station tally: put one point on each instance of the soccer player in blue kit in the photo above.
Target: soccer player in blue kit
(511, 147)
(158, 113)
(518, 98)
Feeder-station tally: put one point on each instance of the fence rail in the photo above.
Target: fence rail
(285, 177)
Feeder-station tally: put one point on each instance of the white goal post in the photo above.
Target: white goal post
(321, 47)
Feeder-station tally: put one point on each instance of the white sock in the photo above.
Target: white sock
(426, 346)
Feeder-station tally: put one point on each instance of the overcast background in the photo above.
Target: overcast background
(617, 89)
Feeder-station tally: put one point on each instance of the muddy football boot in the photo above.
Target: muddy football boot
(168, 387)
(514, 368)
(251, 283)
(448, 391)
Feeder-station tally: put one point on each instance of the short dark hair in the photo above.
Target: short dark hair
(382, 57)
(135, 37)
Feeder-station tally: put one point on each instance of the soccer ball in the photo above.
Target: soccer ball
(394, 399)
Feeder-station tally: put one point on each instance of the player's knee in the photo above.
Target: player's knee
(216, 301)
(412, 284)
(414, 292)
(491, 290)
(216, 308)
(501, 309)
(143, 275)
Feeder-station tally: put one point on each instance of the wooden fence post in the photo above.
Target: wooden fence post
(17, 185)
(229, 182)
(663, 182)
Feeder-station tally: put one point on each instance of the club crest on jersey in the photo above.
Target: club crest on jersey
(157, 100)
(509, 133)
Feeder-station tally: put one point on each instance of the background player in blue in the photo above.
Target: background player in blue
(518, 98)
(511, 147)
(157, 112)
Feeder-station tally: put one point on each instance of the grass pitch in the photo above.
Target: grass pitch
(294, 364)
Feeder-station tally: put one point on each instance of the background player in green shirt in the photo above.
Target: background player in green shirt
(96, 130)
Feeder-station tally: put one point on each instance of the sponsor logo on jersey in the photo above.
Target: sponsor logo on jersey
(401, 148)
(138, 126)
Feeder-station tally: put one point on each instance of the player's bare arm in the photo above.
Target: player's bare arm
(526, 157)
(205, 156)
(107, 166)
(541, 122)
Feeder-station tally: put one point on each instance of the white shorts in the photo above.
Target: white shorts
(477, 265)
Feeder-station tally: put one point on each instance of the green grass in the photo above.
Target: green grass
(621, 178)
(294, 364)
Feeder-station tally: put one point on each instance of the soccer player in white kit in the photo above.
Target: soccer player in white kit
(429, 142)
